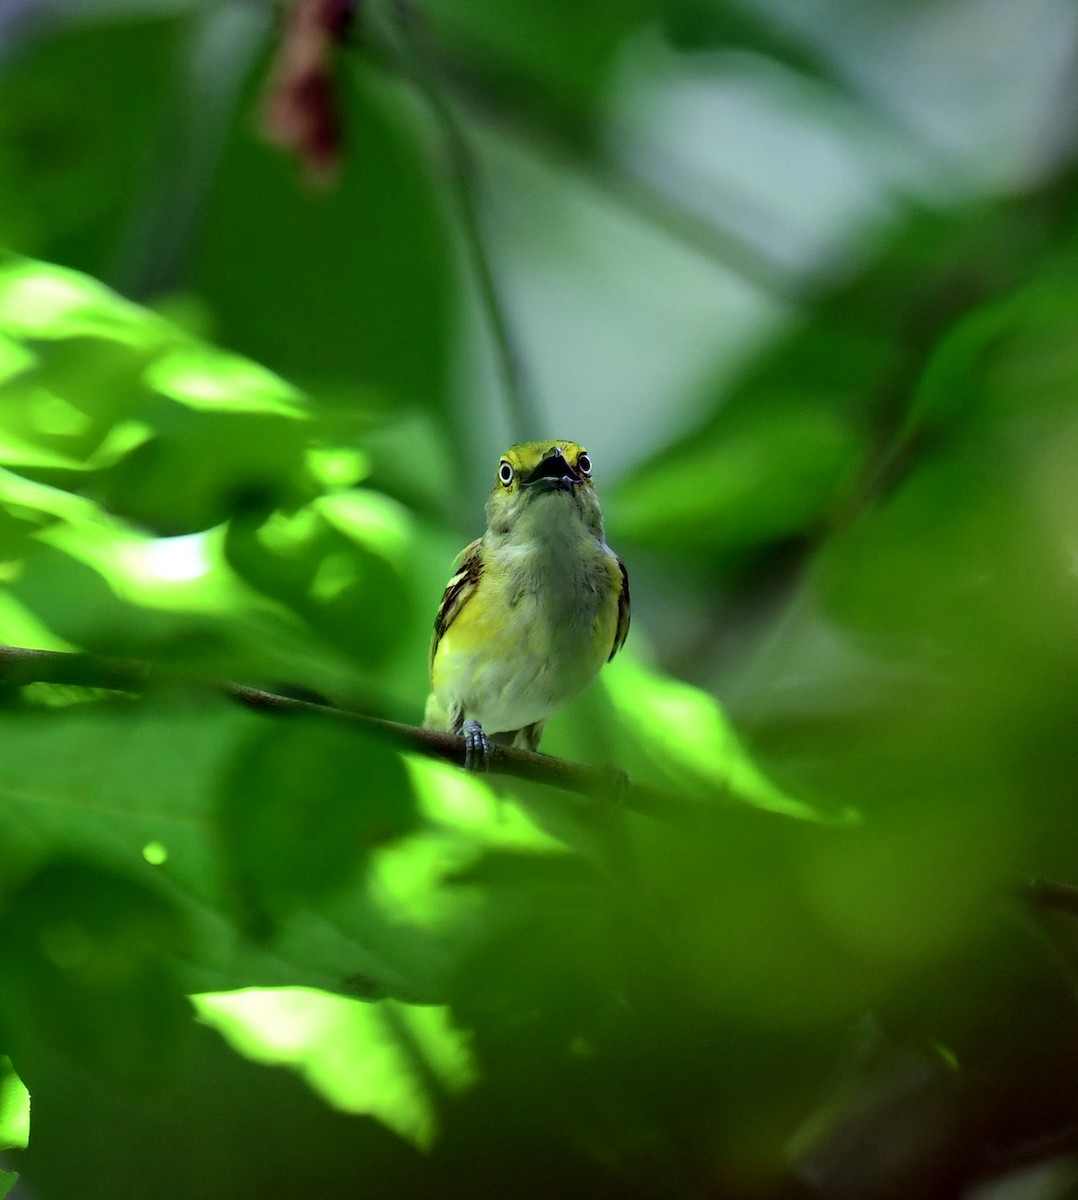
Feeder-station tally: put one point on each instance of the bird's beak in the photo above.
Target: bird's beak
(553, 473)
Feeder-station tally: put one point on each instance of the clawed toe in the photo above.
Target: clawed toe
(477, 747)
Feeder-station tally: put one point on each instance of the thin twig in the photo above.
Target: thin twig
(20, 666)
(406, 42)
(706, 235)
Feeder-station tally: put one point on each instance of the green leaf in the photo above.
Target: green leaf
(349, 287)
(14, 1108)
(302, 808)
(348, 591)
(390, 1060)
(200, 468)
(782, 450)
(42, 301)
(232, 1127)
(771, 472)
(554, 64)
(134, 791)
(734, 29)
(78, 109)
(82, 394)
(77, 590)
(999, 357)
(86, 967)
(681, 735)
(74, 390)
(109, 398)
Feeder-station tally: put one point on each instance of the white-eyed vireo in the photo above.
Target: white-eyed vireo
(535, 608)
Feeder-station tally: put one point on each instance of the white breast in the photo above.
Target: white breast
(555, 629)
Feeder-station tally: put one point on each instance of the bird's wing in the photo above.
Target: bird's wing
(622, 629)
(458, 591)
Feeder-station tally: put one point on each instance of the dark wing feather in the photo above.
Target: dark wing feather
(622, 630)
(458, 591)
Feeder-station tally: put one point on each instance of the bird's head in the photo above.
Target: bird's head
(541, 483)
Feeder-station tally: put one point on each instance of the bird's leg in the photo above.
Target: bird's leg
(620, 785)
(477, 747)
(528, 737)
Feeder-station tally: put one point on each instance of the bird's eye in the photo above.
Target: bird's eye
(505, 473)
(583, 463)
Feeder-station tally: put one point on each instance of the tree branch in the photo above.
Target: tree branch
(1050, 896)
(20, 666)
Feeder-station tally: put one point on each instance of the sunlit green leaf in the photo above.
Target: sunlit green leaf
(106, 782)
(15, 358)
(683, 731)
(51, 302)
(340, 583)
(378, 1059)
(14, 1108)
(204, 378)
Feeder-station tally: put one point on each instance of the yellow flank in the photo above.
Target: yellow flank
(537, 605)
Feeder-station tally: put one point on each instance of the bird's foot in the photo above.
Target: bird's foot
(476, 747)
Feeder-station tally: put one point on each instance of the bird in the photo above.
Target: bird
(534, 608)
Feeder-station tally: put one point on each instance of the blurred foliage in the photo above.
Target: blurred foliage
(247, 420)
